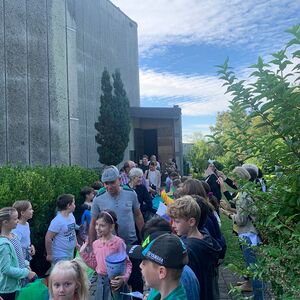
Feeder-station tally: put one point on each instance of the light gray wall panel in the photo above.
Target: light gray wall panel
(80, 69)
(2, 90)
(38, 82)
(58, 96)
(16, 81)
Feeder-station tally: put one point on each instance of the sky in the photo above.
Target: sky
(181, 43)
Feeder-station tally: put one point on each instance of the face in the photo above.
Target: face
(63, 286)
(89, 197)
(181, 226)
(113, 187)
(145, 160)
(152, 167)
(71, 207)
(150, 273)
(103, 229)
(12, 222)
(137, 180)
(28, 213)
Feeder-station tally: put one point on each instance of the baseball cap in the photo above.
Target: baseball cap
(165, 249)
(110, 173)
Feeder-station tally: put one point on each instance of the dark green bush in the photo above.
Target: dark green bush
(42, 185)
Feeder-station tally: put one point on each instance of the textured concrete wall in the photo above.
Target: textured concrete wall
(52, 54)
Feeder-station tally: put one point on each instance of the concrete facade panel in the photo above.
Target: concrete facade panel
(38, 101)
(58, 81)
(3, 149)
(16, 81)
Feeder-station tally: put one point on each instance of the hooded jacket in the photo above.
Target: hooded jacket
(203, 258)
(10, 273)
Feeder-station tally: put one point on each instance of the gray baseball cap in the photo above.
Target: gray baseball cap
(110, 173)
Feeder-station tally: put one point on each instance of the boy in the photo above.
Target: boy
(163, 258)
(188, 278)
(60, 240)
(203, 250)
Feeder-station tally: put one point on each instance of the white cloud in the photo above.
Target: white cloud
(196, 95)
(255, 24)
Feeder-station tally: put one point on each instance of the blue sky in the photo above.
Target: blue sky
(181, 42)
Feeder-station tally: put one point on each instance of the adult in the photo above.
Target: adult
(153, 177)
(128, 165)
(243, 216)
(124, 202)
(153, 159)
(135, 183)
(145, 163)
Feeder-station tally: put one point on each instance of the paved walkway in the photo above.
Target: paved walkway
(226, 279)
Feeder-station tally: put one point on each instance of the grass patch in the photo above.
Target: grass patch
(234, 254)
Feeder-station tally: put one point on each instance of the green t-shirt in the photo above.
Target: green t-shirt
(177, 294)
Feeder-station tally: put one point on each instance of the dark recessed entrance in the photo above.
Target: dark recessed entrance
(145, 142)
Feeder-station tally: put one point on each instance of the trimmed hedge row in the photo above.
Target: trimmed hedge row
(41, 186)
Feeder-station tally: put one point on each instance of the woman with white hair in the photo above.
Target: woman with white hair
(243, 216)
(135, 182)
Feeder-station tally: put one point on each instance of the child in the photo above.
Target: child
(106, 244)
(203, 250)
(68, 281)
(88, 194)
(60, 240)
(22, 230)
(10, 272)
(163, 258)
(188, 278)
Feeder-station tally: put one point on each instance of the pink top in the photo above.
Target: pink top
(101, 249)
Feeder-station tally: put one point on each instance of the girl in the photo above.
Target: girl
(68, 281)
(10, 272)
(22, 230)
(107, 244)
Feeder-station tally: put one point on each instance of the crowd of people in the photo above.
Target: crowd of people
(131, 248)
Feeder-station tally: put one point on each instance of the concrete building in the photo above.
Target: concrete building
(52, 55)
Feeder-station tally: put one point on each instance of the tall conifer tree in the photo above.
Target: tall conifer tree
(113, 126)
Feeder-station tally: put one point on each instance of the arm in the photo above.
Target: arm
(48, 244)
(88, 258)
(92, 231)
(139, 220)
(6, 267)
(158, 181)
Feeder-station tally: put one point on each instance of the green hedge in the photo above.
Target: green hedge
(42, 185)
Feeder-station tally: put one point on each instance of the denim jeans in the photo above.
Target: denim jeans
(250, 259)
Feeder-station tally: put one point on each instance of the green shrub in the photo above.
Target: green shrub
(42, 185)
(263, 125)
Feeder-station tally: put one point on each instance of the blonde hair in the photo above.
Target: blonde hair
(185, 208)
(21, 205)
(5, 214)
(75, 267)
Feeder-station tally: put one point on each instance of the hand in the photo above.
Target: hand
(32, 250)
(220, 181)
(77, 246)
(209, 171)
(145, 296)
(49, 258)
(224, 204)
(221, 174)
(223, 211)
(31, 275)
(116, 282)
(84, 247)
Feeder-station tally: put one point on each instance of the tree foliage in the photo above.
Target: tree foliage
(113, 126)
(263, 124)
